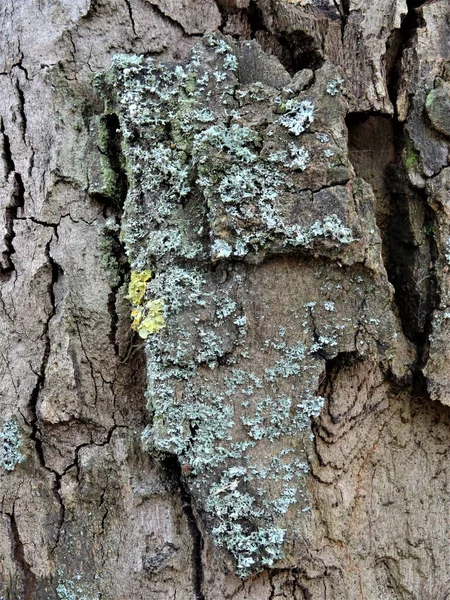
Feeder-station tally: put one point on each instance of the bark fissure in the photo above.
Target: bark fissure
(174, 468)
(160, 12)
(406, 221)
(28, 577)
(17, 200)
(112, 211)
(21, 108)
(130, 13)
(36, 435)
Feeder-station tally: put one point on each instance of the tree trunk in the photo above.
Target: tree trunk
(263, 185)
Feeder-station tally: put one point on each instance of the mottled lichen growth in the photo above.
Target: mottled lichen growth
(148, 317)
(76, 589)
(10, 444)
(221, 177)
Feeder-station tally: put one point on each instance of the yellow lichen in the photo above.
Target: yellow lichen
(147, 318)
(137, 286)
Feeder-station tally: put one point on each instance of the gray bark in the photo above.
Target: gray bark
(283, 429)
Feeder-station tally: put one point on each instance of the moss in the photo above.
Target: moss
(410, 156)
(104, 178)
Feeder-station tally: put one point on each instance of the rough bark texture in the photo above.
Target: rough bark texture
(272, 177)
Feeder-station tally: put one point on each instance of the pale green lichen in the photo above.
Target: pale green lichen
(10, 444)
(74, 589)
(298, 115)
(334, 86)
(207, 186)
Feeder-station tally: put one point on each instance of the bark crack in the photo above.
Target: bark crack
(35, 435)
(16, 202)
(17, 549)
(130, 13)
(173, 466)
(21, 109)
(404, 217)
(167, 17)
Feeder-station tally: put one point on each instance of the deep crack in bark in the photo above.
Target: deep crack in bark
(35, 435)
(404, 217)
(17, 200)
(17, 549)
(173, 467)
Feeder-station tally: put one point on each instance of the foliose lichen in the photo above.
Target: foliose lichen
(217, 173)
(10, 444)
(148, 317)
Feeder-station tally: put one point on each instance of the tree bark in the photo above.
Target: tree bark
(264, 186)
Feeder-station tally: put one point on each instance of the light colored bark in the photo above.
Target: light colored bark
(87, 511)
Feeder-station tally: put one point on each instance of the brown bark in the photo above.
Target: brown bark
(87, 512)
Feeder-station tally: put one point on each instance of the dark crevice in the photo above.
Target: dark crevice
(172, 466)
(255, 18)
(112, 298)
(113, 246)
(413, 4)
(343, 8)
(411, 256)
(299, 52)
(6, 154)
(399, 40)
(378, 148)
(62, 509)
(405, 221)
(224, 14)
(28, 577)
(35, 435)
(19, 64)
(21, 108)
(295, 50)
(130, 13)
(16, 202)
(411, 244)
(114, 258)
(272, 586)
(113, 152)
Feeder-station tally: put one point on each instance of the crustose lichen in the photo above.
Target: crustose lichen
(10, 443)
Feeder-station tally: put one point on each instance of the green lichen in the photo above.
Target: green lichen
(211, 186)
(410, 156)
(10, 444)
(74, 589)
(334, 86)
